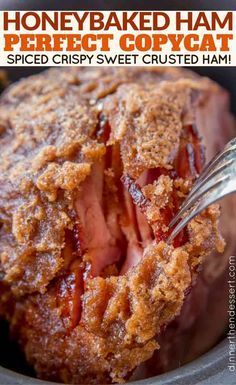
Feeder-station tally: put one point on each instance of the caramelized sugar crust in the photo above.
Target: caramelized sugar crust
(94, 164)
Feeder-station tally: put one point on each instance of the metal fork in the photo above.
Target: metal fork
(217, 180)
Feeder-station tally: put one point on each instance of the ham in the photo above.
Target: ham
(100, 245)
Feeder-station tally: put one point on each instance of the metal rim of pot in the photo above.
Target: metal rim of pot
(211, 367)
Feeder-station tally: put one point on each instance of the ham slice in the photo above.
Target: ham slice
(100, 245)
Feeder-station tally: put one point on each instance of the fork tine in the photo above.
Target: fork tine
(232, 142)
(218, 179)
(212, 183)
(215, 169)
(222, 165)
(209, 198)
(228, 150)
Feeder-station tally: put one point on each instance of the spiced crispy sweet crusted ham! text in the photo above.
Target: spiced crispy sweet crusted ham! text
(95, 163)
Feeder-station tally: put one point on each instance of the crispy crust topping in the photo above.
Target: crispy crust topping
(94, 164)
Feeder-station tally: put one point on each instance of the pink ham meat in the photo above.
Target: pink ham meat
(99, 243)
(117, 238)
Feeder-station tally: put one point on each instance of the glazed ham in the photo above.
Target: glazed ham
(96, 162)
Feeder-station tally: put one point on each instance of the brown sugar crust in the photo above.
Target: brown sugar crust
(53, 144)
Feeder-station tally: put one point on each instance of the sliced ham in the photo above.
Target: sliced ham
(100, 246)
